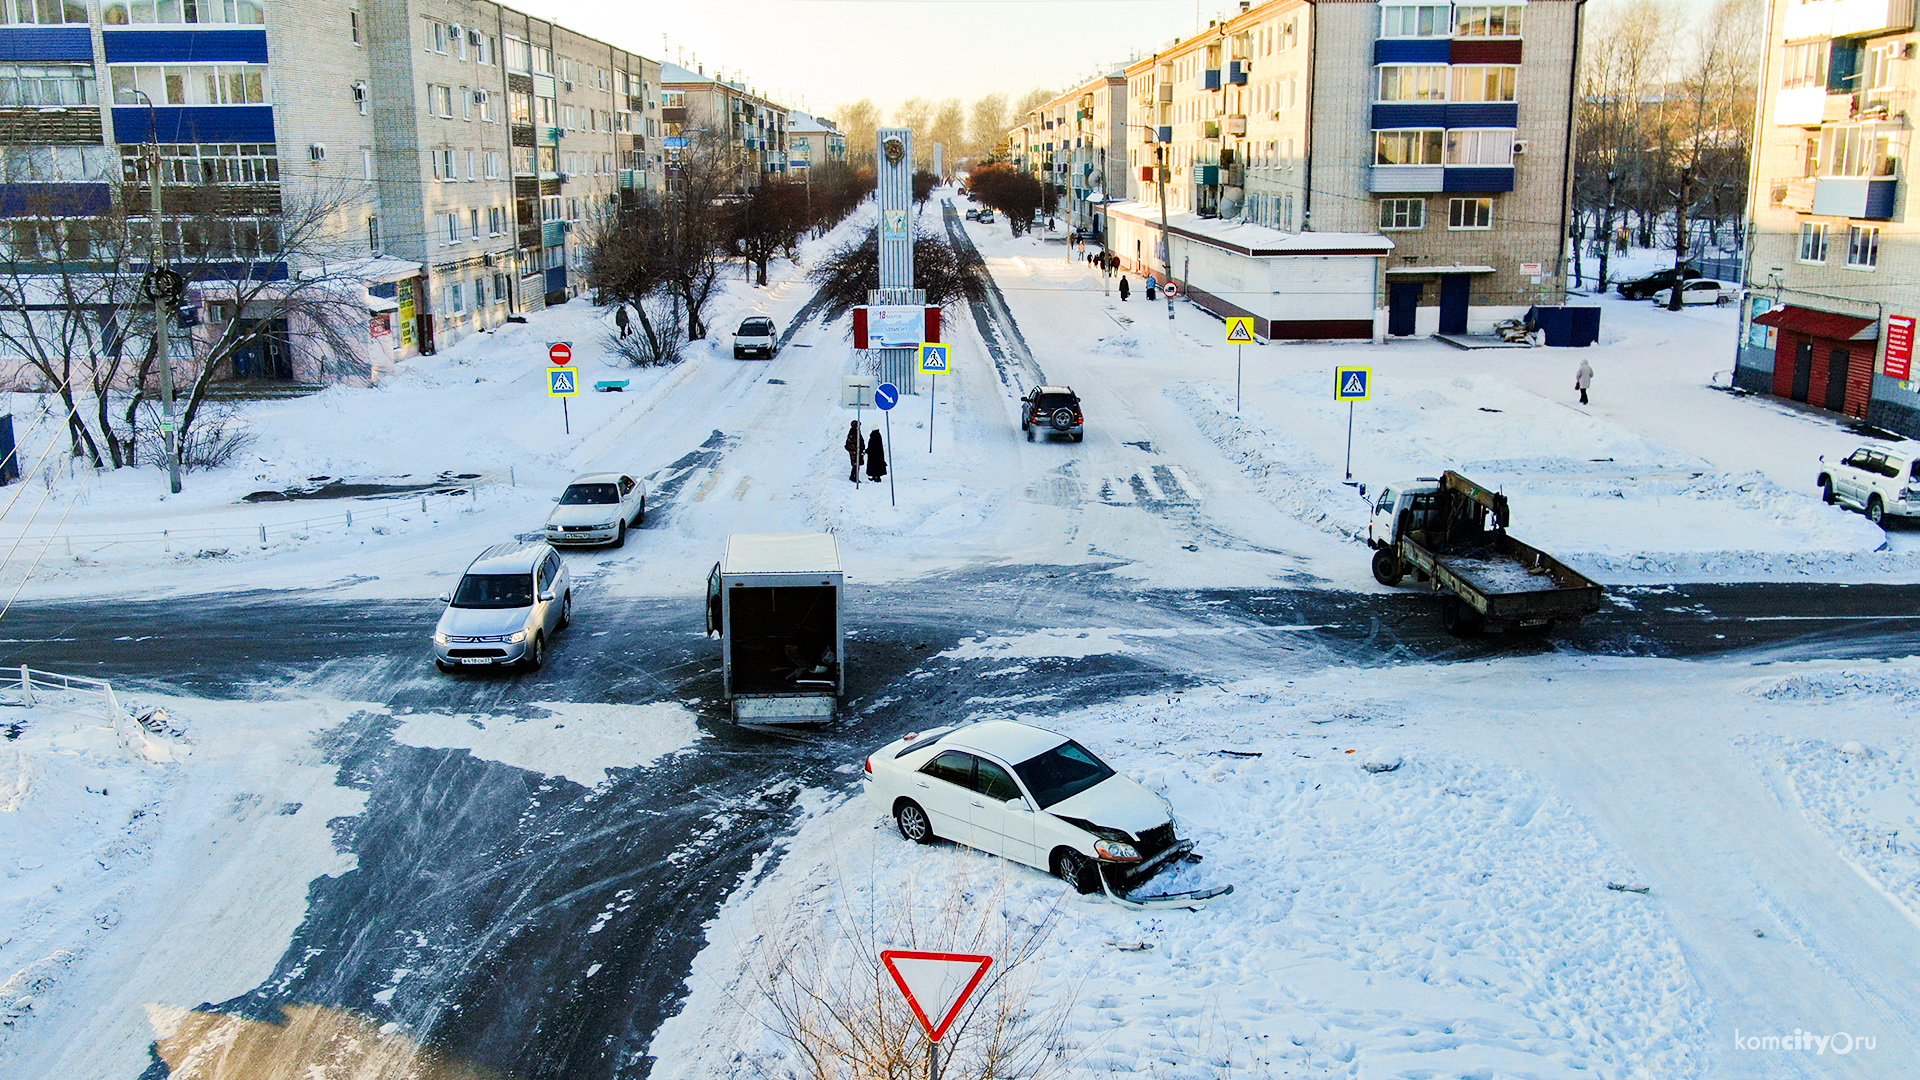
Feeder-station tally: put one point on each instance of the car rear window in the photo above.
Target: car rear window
(1051, 402)
(494, 591)
(589, 495)
(1062, 772)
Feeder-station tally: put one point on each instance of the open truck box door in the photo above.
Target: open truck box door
(775, 600)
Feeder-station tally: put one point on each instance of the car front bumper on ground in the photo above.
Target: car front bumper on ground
(558, 535)
(741, 348)
(494, 650)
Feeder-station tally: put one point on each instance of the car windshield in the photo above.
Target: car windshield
(494, 591)
(590, 495)
(1050, 402)
(756, 326)
(1062, 772)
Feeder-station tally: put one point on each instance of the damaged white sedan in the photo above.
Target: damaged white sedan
(1035, 797)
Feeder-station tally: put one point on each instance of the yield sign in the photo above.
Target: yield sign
(935, 984)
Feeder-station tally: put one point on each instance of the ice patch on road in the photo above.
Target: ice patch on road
(579, 741)
(1071, 644)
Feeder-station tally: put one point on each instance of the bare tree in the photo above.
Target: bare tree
(630, 263)
(859, 121)
(949, 129)
(916, 115)
(703, 182)
(986, 125)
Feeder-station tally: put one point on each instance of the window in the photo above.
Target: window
(1861, 150)
(47, 84)
(450, 227)
(473, 224)
(211, 163)
(1863, 246)
(1813, 241)
(353, 25)
(493, 165)
(123, 12)
(483, 101)
(1467, 147)
(473, 163)
(1416, 21)
(440, 101)
(366, 162)
(519, 108)
(227, 84)
(499, 288)
(22, 164)
(1484, 83)
(1477, 21)
(43, 11)
(373, 233)
(457, 303)
(1805, 65)
(1470, 214)
(1403, 213)
(457, 39)
(1403, 82)
(1876, 67)
(519, 55)
(1811, 162)
(466, 104)
(496, 220)
(437, 38)
(484, 47)
(443, 164)
(1407, 147)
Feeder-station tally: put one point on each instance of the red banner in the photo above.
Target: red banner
(1899, 346)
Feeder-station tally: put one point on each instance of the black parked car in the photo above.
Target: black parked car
(1658, 281)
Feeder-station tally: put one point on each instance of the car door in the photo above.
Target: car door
(1875, 476)
(1849, 480)
(1001, 816)
(546, 612)
(629, 498)
(944, 789)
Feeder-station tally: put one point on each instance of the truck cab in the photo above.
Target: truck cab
(1416, 497)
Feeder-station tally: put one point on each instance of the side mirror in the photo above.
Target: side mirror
(547, 596)
(1018, 802)
(556, 498)
(446, 598)
(1363, 491)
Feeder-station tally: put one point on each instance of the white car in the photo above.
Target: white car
(1879, 480)
(1035, 797)
(754, 338)
(597, 508)
(1700, 291)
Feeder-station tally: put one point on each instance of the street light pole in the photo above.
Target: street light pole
(160, 295)
(1166, 245)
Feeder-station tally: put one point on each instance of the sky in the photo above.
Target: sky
(825, 53)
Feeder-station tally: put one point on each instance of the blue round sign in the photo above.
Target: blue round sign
(886, 396)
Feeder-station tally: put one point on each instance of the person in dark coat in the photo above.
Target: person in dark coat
(620, 319)
(1125, 289)
(853, 450)
(876, 458)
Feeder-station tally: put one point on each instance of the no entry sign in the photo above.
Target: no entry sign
(560, 352)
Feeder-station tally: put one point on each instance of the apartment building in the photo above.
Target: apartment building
(453, 147)
(752, 126)
(1083, 136)
(1356, 168)
(813, 142)
(1834, 270)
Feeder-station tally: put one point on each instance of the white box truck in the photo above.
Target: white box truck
(774, 600)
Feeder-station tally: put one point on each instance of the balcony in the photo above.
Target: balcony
(1164, 133)
(1795, 195)
(1847, 18)
(1238, 70)
(553, 234)
(1166, 93)
(1407, 178)
(1865, 198)
(1210, 79)
(552, 134)
(1209, 129)
(1802, 106)
(673, 114)
(1236, 125)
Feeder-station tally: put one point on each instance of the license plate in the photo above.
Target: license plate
(475, 660)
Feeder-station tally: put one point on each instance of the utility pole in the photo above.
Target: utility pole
(163, 287)
(1606, 231)
(1166, 245)
(1680, 236)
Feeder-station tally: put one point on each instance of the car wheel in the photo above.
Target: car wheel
(620, 535)
(566, 611)
(641, 518)
(537, 652)
(1386, 567)
(1826, 490)
(1876, 510)
(1078, 871)
(1457, 618)
(913, 822)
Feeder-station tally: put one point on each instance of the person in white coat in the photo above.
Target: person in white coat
(1583, 379)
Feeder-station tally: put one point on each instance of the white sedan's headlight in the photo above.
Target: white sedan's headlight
(1114, 849)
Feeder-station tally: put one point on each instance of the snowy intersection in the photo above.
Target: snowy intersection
(1142, 591)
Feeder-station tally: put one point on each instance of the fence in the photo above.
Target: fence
(132, 735)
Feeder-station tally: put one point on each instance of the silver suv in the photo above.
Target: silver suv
(507, 607)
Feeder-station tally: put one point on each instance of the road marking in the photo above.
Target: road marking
(1825, 618)
(1116, 490)
(1186, 483)
(1154, 491)
(740, 489)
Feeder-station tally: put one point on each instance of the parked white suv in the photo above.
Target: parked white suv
(1879, 480)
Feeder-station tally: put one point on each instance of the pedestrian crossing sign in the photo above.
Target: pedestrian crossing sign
(1239, 329)
(562, 382)
(1352, 383)
(934, 360)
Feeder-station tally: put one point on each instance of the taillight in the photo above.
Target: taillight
(869, 766)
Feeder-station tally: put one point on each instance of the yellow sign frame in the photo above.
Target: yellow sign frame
(553, 381)
(945, 352)
(1340, 383)
(1240, 330)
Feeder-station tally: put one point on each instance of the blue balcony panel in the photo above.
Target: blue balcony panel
(46, 43)
(55, 200)
(1211, 79)
(1412, 50)
(1479, 179)
(557, 279)
(1412, 114)
(185, 46)
(1166, 133)
(1483, 114)
(195, 123)
(1238, 70)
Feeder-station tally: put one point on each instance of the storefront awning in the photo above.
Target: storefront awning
(1820, 324)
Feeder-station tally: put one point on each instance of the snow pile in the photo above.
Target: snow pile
(1896, 686)
(1288, 474)
(579, 741)
(1868, 801)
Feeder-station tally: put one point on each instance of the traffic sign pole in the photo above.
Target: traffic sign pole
(892, 496)
(933, 390)
(1349, 440)
(885, 397)
(1239, 363)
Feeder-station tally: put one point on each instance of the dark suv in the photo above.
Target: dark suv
(1658, 281)
(1052, 410)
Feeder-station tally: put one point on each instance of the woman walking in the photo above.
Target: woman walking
(1583, 379)
(1125, 289)
(853, 451)
(876, 458)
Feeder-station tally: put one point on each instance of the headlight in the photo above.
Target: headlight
(517, 635)
(608, 525)
(440, 638)
(1114, 849)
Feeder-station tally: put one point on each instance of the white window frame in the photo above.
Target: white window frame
(1410, 213)
(1412, 82)
(1483, 218)
(1484, 147)
(1470, 80)
(1813, 242)
(1863, 247)
(1414, 21)
(1507, 20)
(1431, 141)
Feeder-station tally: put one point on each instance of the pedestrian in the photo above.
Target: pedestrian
(876, 457)
(1150, 288)
(1125, 289)
(853, 451)
(1582, 379)
(620, 319)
